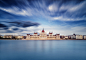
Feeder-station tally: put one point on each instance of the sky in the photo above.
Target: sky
(21, 17)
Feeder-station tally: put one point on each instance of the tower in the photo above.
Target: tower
(43, 34)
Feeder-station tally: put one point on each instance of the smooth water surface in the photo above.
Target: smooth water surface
(42, 49)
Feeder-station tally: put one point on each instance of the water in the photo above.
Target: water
(43, 50)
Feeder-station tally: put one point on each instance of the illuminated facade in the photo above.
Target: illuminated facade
(43, 36)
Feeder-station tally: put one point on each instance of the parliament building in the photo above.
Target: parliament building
(43, 36)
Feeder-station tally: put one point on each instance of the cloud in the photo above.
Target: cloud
(2, 25)
(16, 11)
(24, 23)
(16, 26)
(9, 33)
(51, 10)
(53, 7)
(77, 7)
(62, 30)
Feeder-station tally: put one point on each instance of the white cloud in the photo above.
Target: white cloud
(63, 30)
(77, 7)
(8, 33)
(53, 8)
(58, 18)
(56, 29)
(68, 19)
(17, 11)
(40, 9)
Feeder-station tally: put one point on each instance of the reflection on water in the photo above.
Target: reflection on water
(43, 50)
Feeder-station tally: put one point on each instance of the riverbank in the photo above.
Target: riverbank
(57, 39)
(43, 39)
(8, 39)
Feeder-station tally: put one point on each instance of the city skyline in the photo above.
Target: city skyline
(21, 17)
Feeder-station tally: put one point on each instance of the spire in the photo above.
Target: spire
(43, 30)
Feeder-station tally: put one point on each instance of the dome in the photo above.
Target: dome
(43, 30)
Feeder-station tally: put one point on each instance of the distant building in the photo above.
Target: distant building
(23, 37)
(8, 36)
(66, 37)
(62, 37)
(18, 37)
(43, 36)
(79, 37)
(84, 37)
(73, 36)
(76, 36)
(69, 36)
(1, 36)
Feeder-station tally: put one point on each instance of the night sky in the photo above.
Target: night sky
(21, 17)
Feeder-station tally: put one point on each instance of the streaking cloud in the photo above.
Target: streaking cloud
(34, 15)
(67, 10)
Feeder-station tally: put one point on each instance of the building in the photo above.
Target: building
(76, 36)
(23, 37)
(1, 36)
(66, 37)
(42, 36)
(73, 36)
(84, 37)
(79, 37)
(8, 36)
(62, 37)
(18, 37)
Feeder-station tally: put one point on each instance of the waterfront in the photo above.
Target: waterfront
(42, 49)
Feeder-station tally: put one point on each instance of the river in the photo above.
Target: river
(42, 49)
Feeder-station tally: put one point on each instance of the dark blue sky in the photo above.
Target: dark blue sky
(28, 16)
